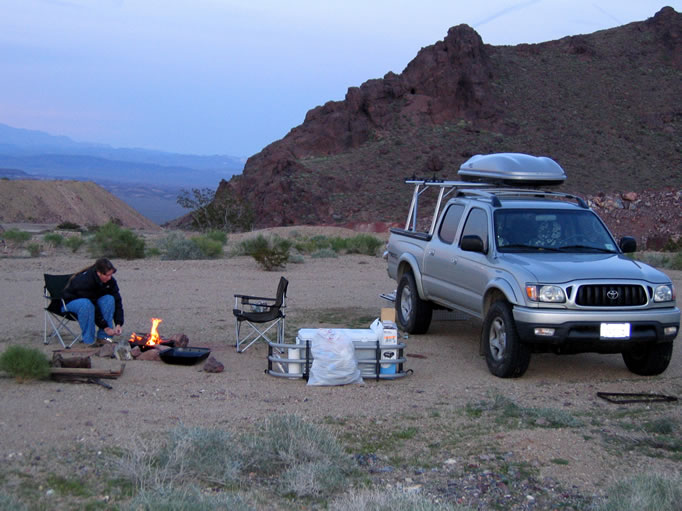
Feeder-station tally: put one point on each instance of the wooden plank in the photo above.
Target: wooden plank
(92, 372)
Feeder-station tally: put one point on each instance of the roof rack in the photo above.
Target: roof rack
(489, 191)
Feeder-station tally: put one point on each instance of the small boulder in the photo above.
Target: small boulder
(179, 340)
(149, 355)
(213, 366)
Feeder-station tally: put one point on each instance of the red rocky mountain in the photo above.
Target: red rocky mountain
(605, 105)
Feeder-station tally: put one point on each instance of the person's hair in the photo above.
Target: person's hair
(102, 265)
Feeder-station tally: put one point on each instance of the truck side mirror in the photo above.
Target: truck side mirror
(628, 244)
(472, 243)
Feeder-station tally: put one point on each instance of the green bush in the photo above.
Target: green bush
(74, 243)
(216, 235)
(54, 239)
(324, 253)
(209, 247)
(646, 492)
(25, 363)
(16, 236)
(34, 249)
(175, 247)
(393, 500)
(270, 253)
(168, 499)
(364, 244)
(111, 240)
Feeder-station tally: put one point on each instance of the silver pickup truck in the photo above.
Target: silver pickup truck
(539, 268)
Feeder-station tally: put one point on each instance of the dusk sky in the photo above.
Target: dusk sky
(231, 76)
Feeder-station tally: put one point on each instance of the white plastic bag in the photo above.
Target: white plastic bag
(334, 361)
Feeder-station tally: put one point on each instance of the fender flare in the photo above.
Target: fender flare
(496, 288)
(408, 261)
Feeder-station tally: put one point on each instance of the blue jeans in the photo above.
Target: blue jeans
(85, 310)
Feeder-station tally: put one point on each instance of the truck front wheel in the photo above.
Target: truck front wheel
(413, 313)
(648, 360)
(505, 354)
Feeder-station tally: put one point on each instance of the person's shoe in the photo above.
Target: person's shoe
(101, 341)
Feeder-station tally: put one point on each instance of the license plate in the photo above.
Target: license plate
(614, 330)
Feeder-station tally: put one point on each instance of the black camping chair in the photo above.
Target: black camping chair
(53, 291)
(262, 315)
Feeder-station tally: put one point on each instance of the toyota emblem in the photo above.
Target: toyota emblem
(612, 294)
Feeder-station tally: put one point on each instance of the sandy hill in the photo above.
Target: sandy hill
(53, 202)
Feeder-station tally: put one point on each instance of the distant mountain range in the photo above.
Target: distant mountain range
(147, 180)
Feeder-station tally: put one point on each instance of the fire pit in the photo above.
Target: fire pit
(148, 341)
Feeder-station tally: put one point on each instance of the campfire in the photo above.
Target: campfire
(151, 339)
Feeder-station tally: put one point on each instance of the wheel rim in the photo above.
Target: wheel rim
(406, 303)
(497, 338)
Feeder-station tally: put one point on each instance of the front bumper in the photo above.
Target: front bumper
(579, 331)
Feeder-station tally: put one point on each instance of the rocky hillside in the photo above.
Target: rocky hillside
(53, 202)
(605, 105)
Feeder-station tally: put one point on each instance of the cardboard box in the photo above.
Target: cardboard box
(387, 314)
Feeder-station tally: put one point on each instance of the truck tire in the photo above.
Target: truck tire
(505, 354)
(648, 360)
(413, 313)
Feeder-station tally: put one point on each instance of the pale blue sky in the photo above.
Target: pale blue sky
(231, 76)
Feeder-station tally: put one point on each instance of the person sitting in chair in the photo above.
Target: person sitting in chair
(92, 294)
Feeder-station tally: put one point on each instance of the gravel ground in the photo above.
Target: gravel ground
(444, 458)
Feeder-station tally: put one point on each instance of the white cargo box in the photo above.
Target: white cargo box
(513, 169)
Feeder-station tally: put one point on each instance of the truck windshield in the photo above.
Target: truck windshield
(536, 230)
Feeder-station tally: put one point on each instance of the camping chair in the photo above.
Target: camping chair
(261, 315)
(53, 291)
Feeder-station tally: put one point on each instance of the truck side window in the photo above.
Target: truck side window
(451, 218)
(477, 224)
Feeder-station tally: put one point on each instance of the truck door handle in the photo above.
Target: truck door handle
(432, 252)
(453, 260)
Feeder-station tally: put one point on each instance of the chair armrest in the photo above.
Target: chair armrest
(255, 297)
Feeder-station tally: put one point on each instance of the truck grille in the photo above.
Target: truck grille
(611, 295)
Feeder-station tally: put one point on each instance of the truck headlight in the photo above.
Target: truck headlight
(540, 293)
(664, 293)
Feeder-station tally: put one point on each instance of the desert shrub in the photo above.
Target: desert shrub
(364, 244)
(16, 236)
(646, 492)
(270, 253)
(382, 500)
(183, 457)
(9, 503)
(324, 253)
(216, 235)
(307, 460)
(25, 363)
(296, 258)
(175, 247)
(74, 243)
(167, 499)
(209, 247)
(111, 240)
(34, 249)
(69, 226)
(54, 239)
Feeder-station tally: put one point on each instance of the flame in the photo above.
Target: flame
(149, 339)
(154, 337)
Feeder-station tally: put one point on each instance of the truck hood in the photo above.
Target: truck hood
(560, 268)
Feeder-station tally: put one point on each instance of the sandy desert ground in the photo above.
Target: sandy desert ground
(196, 298)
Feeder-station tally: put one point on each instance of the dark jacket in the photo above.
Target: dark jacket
(88, 285)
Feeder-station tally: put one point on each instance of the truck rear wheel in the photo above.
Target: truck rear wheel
(413, 313)
(648, 360)
(505, 354)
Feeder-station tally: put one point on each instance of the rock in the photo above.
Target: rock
(149, 355)
(135, 352)
(180, 340)
(630, 196)
(106, 351)
(213, 366)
